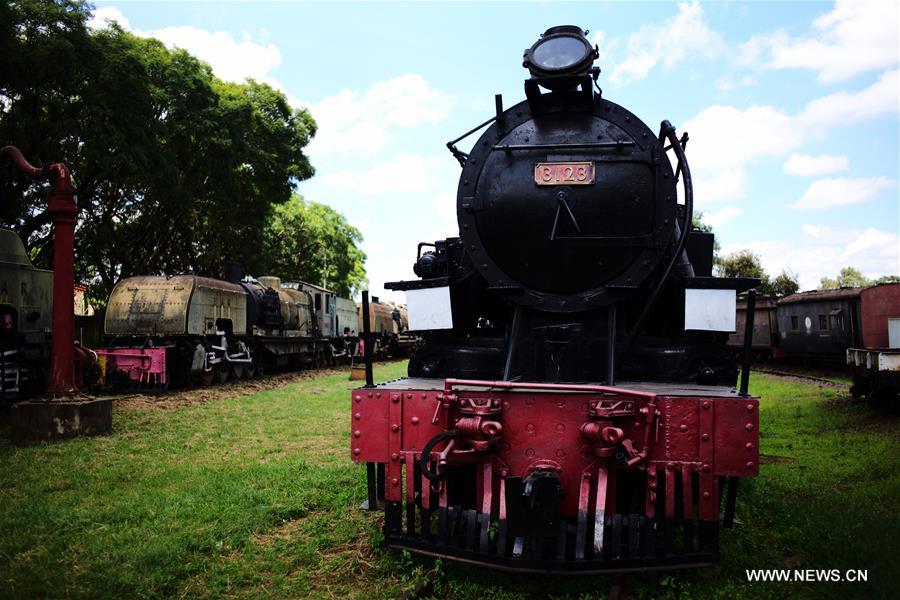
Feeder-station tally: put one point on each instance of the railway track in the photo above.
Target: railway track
(797, 374)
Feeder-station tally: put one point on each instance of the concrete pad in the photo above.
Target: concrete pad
(36, 421)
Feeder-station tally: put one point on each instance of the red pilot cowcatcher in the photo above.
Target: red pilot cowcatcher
(587, 477)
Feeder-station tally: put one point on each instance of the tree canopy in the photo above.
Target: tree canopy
(312, 242)
(175, 170)
(853, 278)
(745, 263)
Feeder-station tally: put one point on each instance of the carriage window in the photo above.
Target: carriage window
(795, 323)
(318, 301)
(328, 304)
(837, 320)
(823, 322)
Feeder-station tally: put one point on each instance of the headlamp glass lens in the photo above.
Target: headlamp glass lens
(559, 53)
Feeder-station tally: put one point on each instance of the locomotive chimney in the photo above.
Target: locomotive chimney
(234, 271)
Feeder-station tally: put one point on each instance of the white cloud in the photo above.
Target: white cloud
(853, 38)
(825, 193)
(418, 174)
(725, 136)
(804, 165)
(605, 46)
(842, 108)
(444, 205)
(816, 231)
(727, 83)
(724, 139)
(100, 17)
(682, 37)
(230, 59)
(822, 252)
(361, 123)
(722, 216)
(726, 184)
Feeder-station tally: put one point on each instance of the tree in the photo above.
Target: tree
(847, 278)
(312, 242)
(699, 224)
(785, 284)
(742, 263)
(174, 169)
(887, 279)
(745, 263)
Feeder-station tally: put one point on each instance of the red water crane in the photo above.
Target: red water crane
(62, 208)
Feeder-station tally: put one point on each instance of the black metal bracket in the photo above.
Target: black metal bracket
(461, 156)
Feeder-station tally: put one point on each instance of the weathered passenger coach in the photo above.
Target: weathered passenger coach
(572, 407)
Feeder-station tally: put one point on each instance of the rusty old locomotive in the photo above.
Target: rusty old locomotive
(573, 404)
(187, 328)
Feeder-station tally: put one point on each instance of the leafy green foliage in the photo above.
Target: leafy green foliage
(312, 242)
(784, 284)
(745, 263)
(887, 279)
(699, 224)
(850, 278)
(174, 169)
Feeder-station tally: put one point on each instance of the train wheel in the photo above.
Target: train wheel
(250, 369)
(238, 371)
(260, 367)
(206, 377)
(222, 372)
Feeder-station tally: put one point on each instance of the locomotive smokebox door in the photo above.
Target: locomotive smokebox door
(565, 220)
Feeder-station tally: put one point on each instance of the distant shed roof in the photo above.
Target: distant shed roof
(822, 295)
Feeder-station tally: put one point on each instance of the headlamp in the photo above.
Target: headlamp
(561, 51)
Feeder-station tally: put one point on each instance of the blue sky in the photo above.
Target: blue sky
(792, 108)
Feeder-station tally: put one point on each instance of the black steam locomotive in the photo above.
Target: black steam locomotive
(573, 405)
(574, 254)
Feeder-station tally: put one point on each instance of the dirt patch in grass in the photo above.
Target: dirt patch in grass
(768, 459)
(806, 379)
(216, 393)
(291, 530)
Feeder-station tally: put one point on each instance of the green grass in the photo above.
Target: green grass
(256, 496)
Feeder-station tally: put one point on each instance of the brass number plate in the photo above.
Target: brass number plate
(564, 173)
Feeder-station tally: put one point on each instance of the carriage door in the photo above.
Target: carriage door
(894, 333)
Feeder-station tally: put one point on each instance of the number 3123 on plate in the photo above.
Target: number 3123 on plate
(564, 173)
